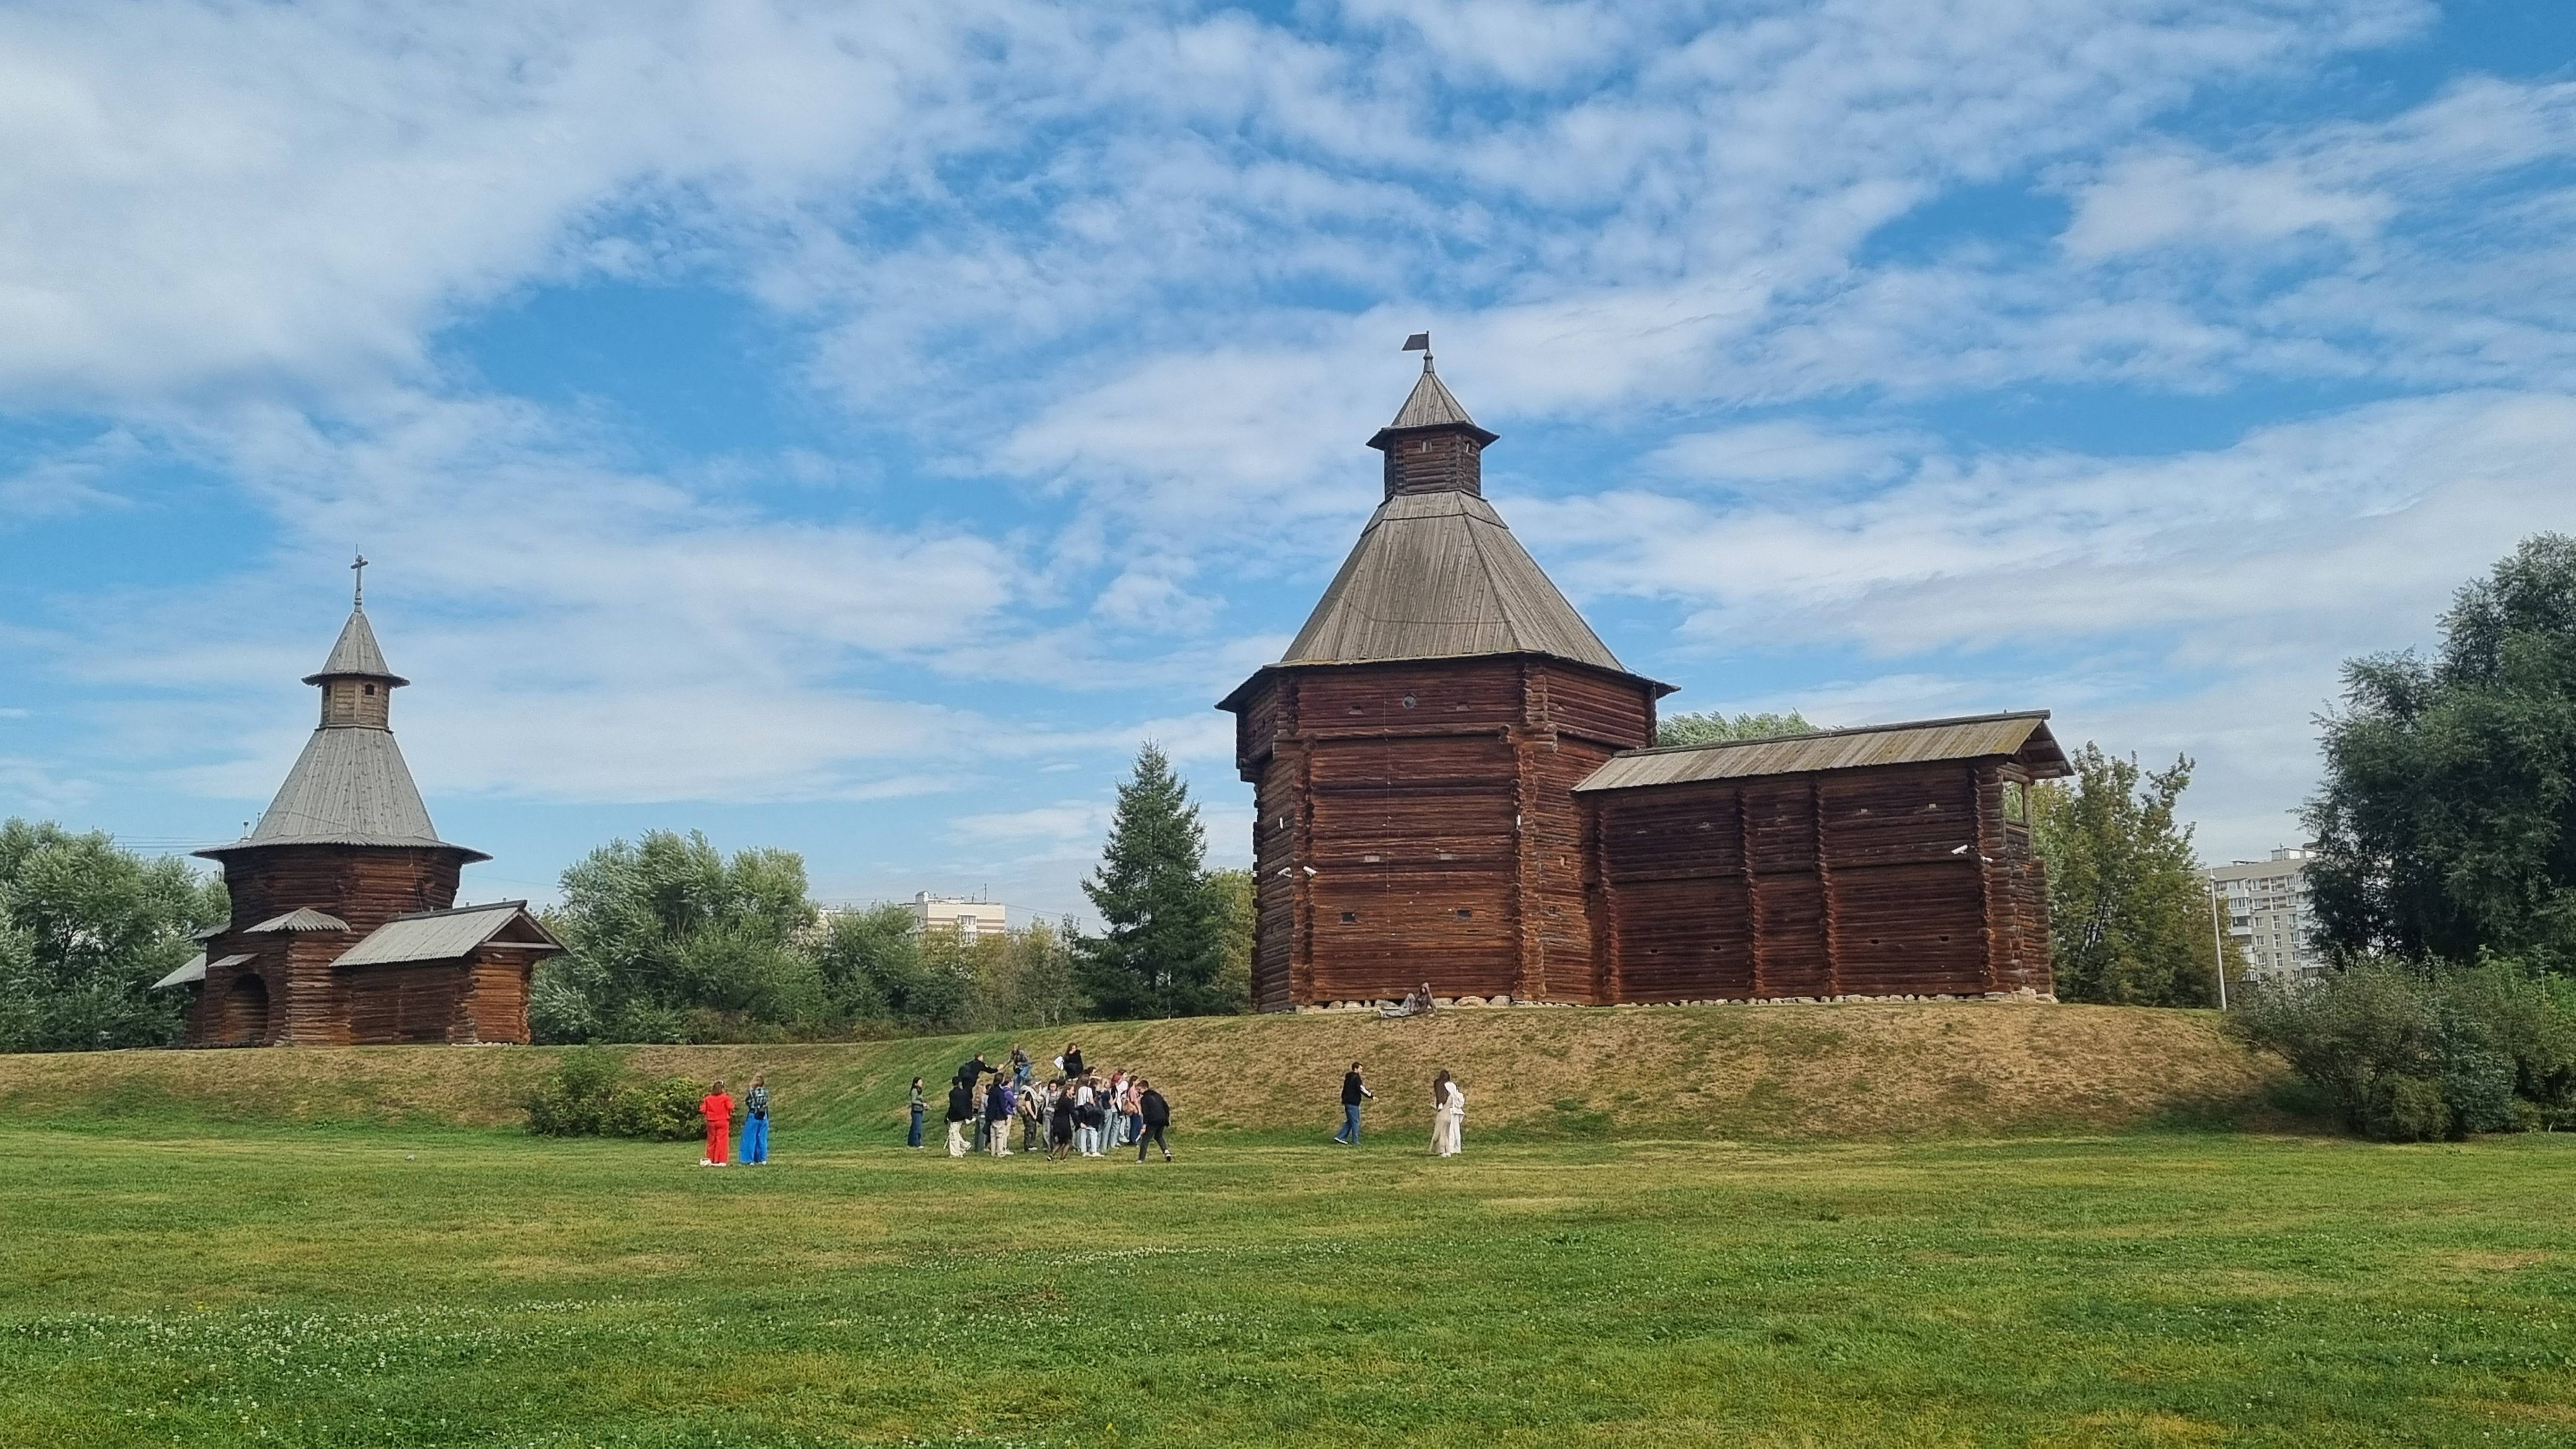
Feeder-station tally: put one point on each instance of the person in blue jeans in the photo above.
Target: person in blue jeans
(755, 1127)
(920, 1104)
(1354, 1092)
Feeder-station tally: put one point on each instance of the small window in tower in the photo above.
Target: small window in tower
(1350, 918)
(1408, 701)
(2016, 804)
(369, 688)
(1465, 914)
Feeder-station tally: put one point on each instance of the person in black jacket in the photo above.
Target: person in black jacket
(961, 1109)
(1354, 1092)
(1071, 1061)
(1158, 1116)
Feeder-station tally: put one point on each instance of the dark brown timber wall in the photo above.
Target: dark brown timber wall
(1874, 881)
(1418, 822)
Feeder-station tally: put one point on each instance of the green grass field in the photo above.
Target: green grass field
(167, 1281)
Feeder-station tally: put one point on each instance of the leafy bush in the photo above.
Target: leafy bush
(2410, 1057)
(590, 1093)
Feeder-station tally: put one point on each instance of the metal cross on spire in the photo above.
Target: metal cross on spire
(358, 592)
(1420, 342)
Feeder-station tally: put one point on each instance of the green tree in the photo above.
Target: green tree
(1234, 978)
(1715, 726)
(874, 969)
(1164, 937)
(85, 929)
(2129, 912)
(2446, 825)
(670, 941)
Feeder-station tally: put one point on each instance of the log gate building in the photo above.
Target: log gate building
(1456, 782)
(344, 926)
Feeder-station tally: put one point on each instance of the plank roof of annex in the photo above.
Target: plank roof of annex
(444, 935)
(2022, 735)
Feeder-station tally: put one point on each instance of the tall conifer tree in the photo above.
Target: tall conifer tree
(1163, 938)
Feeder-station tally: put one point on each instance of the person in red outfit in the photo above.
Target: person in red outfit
(718, 1109)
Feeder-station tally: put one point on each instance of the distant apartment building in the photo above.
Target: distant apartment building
(2266, 902)
(964, 917)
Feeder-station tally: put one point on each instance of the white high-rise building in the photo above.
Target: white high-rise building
(2266, 906)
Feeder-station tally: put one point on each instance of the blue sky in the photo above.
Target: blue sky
(853, 428)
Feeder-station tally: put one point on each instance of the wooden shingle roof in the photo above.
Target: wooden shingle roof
(2021, 735)
(1437, 576)
(356, 653)
(350, 786)
(445, 935)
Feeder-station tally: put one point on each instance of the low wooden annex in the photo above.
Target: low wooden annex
(344, 927)
(1887, 861)
(1454, 785)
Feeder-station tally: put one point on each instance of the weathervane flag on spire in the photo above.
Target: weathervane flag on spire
(1418, 342)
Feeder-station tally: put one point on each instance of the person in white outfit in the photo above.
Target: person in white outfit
(1448, 1101)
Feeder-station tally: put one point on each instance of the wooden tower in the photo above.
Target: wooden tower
(1413, 756)
(341, 926)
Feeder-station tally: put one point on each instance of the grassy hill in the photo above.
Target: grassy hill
(1848, 1071)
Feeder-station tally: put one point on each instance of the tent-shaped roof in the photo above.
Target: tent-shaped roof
(356, 654)
(2023, 735)
(1436, 576)
(1431, 405)
(444, 935)
(349, 787)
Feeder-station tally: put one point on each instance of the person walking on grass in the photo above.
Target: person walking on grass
(998, 1108)
(1156, 1114)
(961, 1108)
(755, 1123)
(717, 1108)
(1354, 1091)
(920, 1106)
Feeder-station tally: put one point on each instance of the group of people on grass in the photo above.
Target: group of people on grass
(717, 1108)
(1076, 1112)
(1448, 1111)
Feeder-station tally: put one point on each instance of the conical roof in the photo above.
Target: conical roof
(1437, 576)
(1431, 405)
(350, 786)
(356, 654)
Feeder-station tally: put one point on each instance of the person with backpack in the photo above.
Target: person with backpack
(1156, 1114)
(961, 1110)
(717, 1108)
(1031, 1107)
(755, 1123)
(1354, 1091)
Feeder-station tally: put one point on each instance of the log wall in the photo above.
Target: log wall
(289, 994)
(1875, 881)
(1417, 821)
